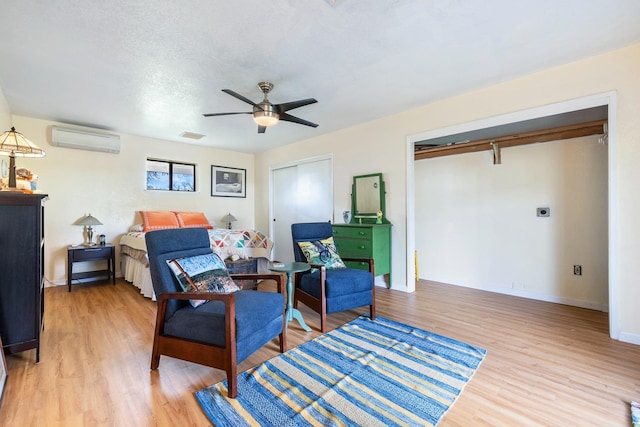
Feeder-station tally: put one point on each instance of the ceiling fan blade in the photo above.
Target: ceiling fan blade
(240, 97)
(225, 114)
(294, 104)
(261, 129)
(289, 118)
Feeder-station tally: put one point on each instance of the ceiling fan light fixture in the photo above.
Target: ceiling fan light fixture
(266, 114)
(264, 118)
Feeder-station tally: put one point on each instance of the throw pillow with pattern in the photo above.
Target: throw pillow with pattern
(202, 273)
(322, 252)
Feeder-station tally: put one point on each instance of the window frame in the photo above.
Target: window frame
(170, 164)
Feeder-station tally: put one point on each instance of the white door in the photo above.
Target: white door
(301, 193)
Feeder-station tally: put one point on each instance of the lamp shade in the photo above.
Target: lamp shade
(14, 143)
(228, 219)
(88, 220)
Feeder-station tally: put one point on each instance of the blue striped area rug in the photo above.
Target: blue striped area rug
(368, 373)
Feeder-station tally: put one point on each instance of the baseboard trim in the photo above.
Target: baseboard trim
(63, 282)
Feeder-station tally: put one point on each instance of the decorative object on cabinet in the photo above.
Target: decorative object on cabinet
(368, 199)
(229, 219)
(365, 241)
(228, 182)
(346, 217)
(15, 144)
(87, 222)
(85, 254)
(22, 266)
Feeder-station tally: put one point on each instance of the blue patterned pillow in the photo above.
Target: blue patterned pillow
(322, 252)
(202, 273)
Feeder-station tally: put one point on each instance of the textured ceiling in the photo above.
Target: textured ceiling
(153, 67)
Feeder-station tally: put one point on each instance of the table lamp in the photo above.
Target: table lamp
(228, 218)
(88, 222)
(15, 144)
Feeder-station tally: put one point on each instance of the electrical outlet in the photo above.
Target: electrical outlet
(543, 212)
(577, 270)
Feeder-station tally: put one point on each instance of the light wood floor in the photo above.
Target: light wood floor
(547, 364)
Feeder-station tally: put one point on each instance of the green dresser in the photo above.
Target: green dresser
(365, 241)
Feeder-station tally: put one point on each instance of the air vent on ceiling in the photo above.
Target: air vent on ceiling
(191, 135)
(85, 139)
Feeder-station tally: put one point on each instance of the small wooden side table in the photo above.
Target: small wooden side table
(91, 253)
(289, 268)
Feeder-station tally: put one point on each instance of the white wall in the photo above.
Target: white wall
(5, 113)
(477, 225)
(112, 188)
(380, 146)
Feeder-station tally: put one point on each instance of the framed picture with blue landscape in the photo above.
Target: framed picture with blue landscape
(170, 175)
(228, 182)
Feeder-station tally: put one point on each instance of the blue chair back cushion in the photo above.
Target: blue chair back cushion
(308, 232)
(163, 245)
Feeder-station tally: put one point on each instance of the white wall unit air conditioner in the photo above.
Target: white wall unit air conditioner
(81, 139)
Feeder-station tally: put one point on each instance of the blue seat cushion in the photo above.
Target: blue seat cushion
(341, 281)
(258, 320)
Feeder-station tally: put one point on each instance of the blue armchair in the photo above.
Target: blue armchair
(330, 290)
(224, 331)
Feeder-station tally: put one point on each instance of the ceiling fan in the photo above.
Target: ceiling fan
(265, 113)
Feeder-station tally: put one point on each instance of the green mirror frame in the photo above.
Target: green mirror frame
(368, 200)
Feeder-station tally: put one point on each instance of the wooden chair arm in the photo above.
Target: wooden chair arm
(323, 278)
(166, 296)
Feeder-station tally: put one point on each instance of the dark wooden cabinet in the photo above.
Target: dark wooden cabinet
(21, 271)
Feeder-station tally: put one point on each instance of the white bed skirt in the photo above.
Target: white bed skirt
(137, 274)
